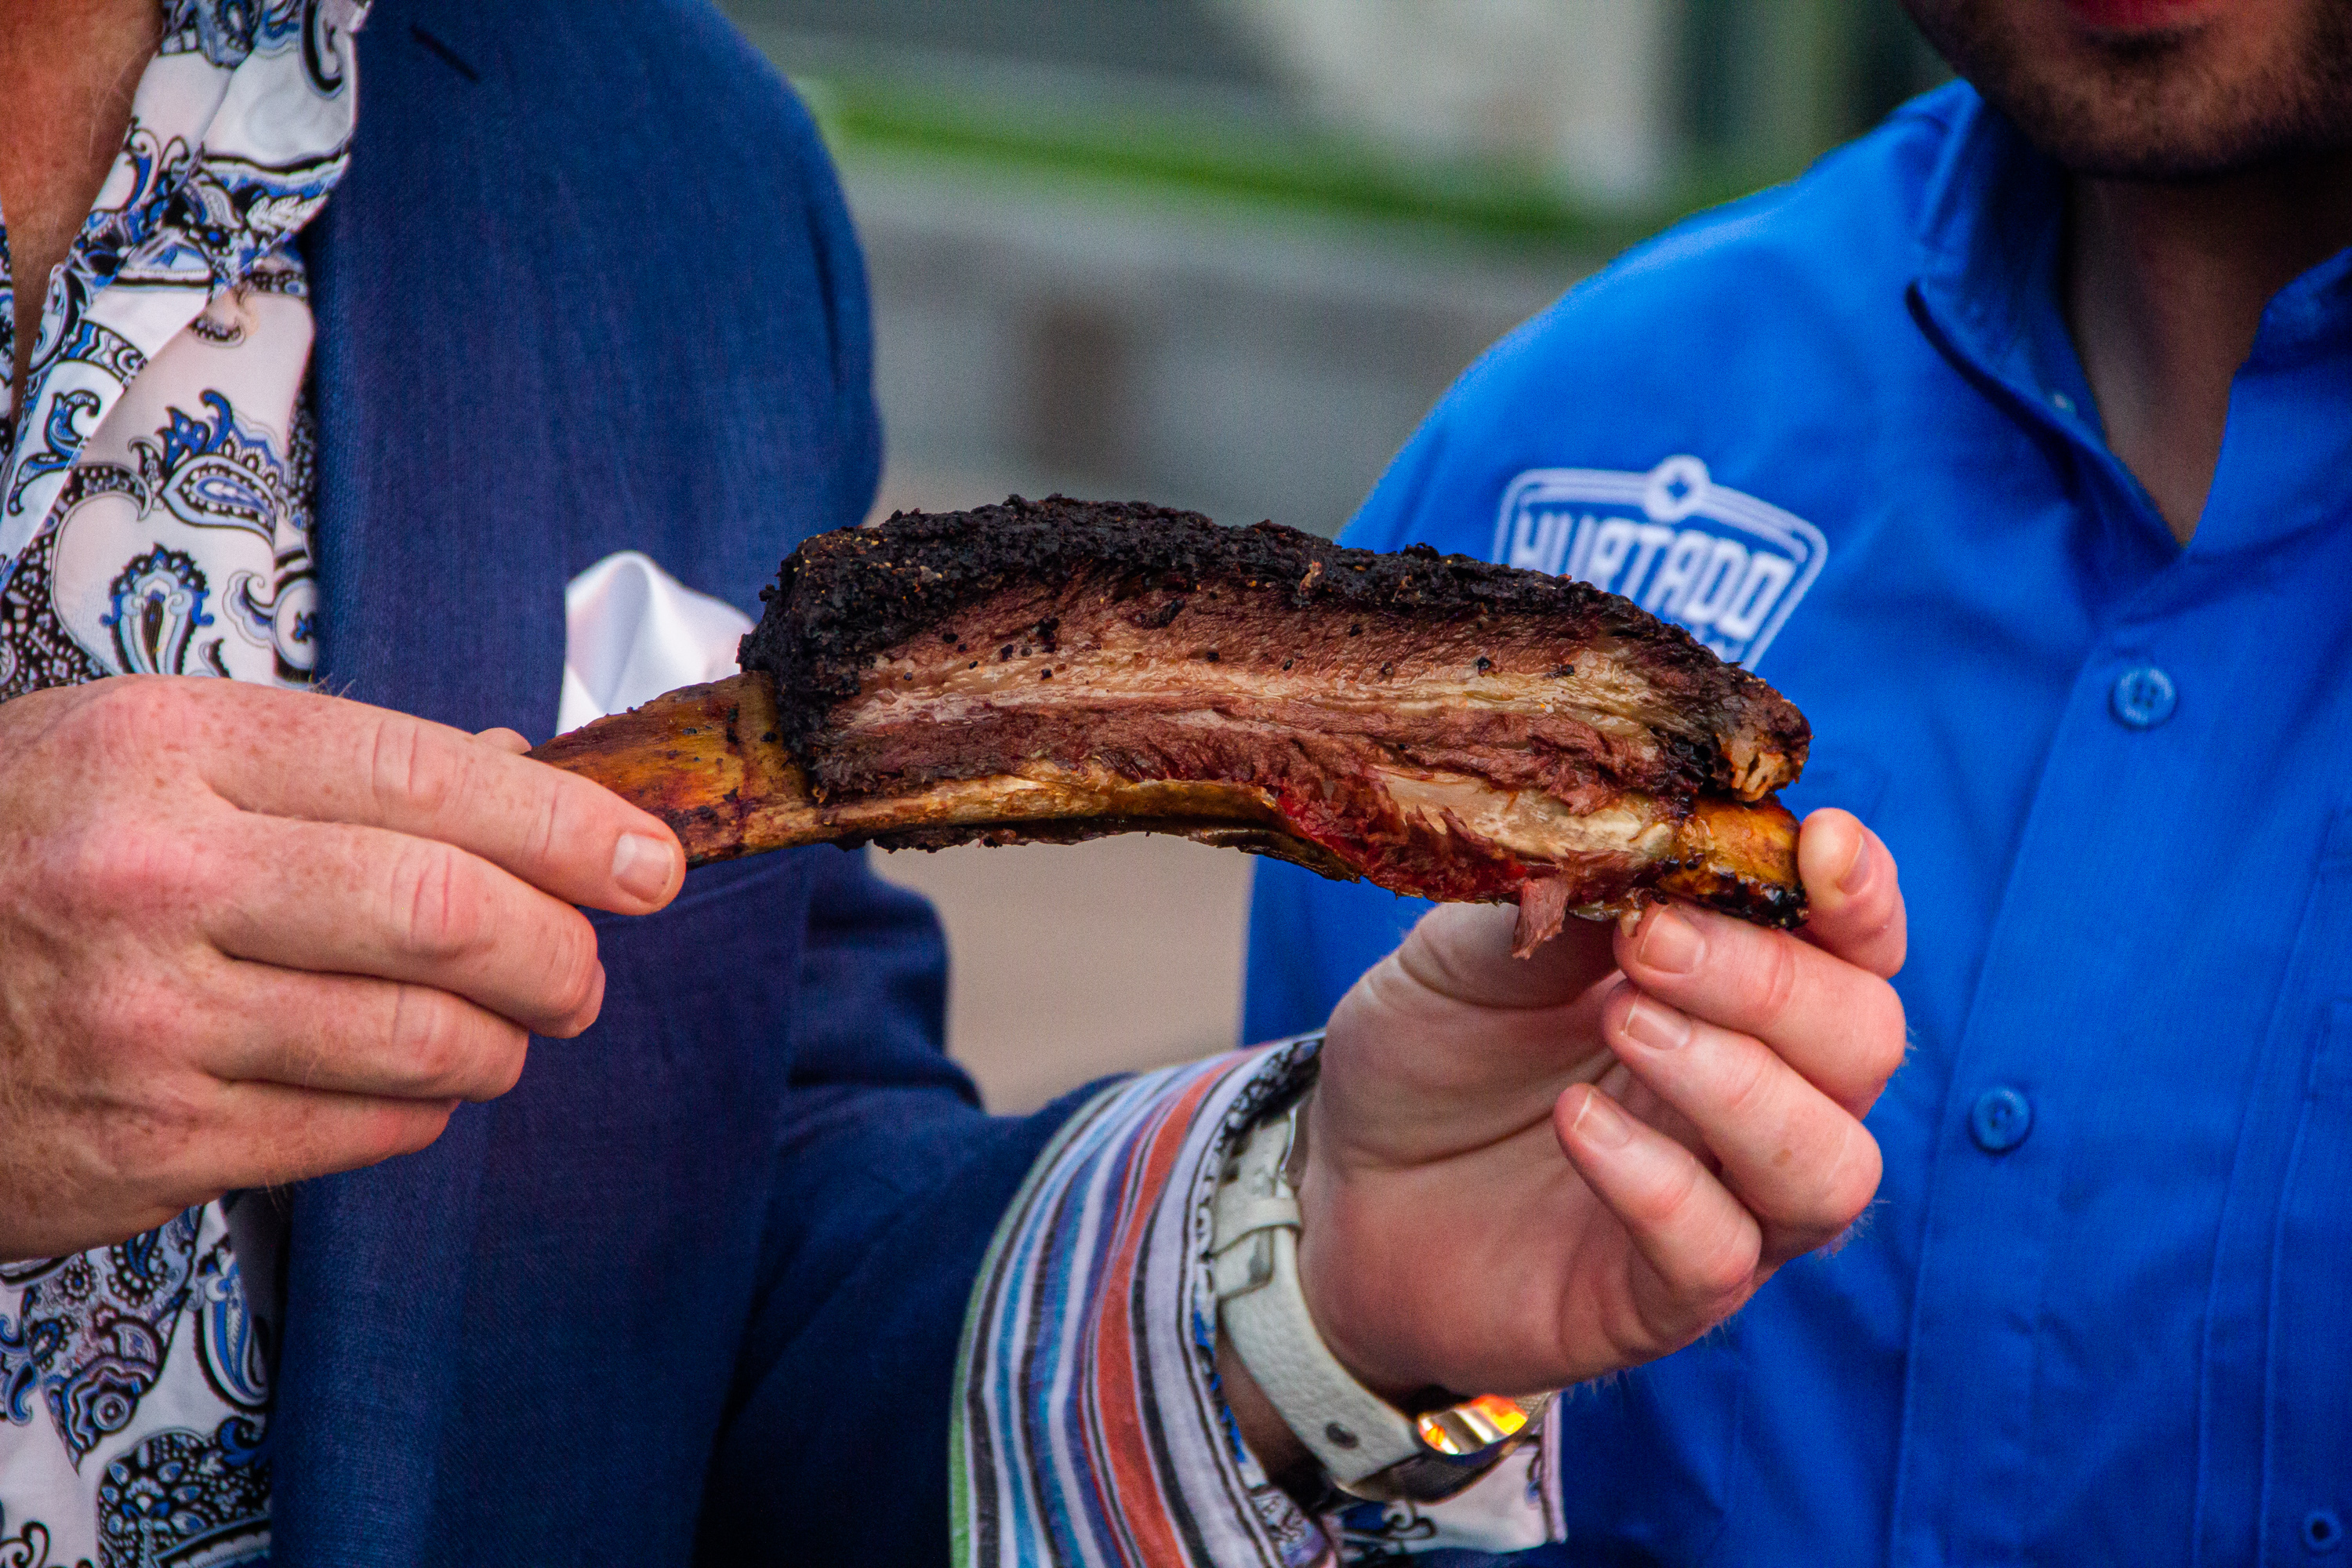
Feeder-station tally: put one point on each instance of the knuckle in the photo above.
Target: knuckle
(429, 1037)
(1773, 982)
(102, 741)
(1641, 1330)
(452, 1049)
(560, 816)
(128, 871)
(158, 1138)
(1750, 1082)
(1828, 1207)
(100, 869)
(402, 1128)
(115, 729)
(1670, 1197)
(131, 708)
(1722, 1277)
(1886, 1032)
(1852, 1181)
(436, 908)
(572, 977)
(409, 774)
(130, 1020)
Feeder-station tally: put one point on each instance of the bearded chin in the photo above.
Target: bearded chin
(2156, 107)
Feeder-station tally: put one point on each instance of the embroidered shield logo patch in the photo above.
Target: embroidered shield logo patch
(1721, 564)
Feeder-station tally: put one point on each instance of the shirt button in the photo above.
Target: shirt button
(2144, 697)
(2322, 1530)
(1999, 1120)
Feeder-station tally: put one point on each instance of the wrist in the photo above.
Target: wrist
(1323, 1273)
(1358, 1440)
(1325, 1286)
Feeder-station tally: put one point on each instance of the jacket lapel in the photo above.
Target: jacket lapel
(441, 526)
(442, 559)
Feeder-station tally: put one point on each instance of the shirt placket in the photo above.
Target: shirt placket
(2155, 706)
(1964, 1478)
(1978, 1429)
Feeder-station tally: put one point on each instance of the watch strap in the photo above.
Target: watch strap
(1253, 1271)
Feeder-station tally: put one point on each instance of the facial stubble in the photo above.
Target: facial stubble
(2167, 104)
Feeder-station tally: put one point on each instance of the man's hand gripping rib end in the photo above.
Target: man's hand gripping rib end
(249, 935)
(1523, 1174)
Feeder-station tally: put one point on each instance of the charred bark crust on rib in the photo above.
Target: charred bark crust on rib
(1441, 726)
(1433, 661)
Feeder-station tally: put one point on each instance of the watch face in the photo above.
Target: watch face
(1475, 1425)
(1459, 1444)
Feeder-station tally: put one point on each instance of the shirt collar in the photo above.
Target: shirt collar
(1989, 232)
(1990, 228)
(227, 31)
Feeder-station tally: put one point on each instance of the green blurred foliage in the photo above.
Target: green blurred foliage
(1763, 87)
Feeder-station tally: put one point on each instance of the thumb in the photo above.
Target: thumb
(1450, 1044)
(1855, 899)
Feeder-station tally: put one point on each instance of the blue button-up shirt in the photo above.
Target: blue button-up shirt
(2102, 1311)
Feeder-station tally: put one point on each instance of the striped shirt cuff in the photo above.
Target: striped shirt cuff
(1088, 1426)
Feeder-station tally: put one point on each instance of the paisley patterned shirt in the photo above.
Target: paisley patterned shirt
(155, 516)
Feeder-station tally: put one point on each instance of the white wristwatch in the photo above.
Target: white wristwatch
(1369, 1446)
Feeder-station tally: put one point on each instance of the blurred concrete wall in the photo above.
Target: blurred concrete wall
(1581, 89)
(1034, 335)
(1069, 961)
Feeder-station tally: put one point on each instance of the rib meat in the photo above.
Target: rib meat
(1061, 670)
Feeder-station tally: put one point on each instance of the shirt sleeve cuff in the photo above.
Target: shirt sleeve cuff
(1088, 1425)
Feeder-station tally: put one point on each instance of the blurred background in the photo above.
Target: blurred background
(1224, 253)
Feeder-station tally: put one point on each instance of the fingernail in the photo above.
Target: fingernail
(1671, 944)
(1857, 871)
(643, 865)
(1601, 1123)
(1656, 1025)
